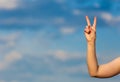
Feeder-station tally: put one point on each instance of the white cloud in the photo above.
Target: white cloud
(110, 19)
(8, 4)
(60, 55)
(106, 16)
(10, 37)
(76, 12)
(9, 59)
(12, 56)
(64, 55)
(67, 30)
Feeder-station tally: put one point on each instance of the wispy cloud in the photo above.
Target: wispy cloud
(110, 19)
(9, 4)
(67, 30)
(9, 59)
(76, 12)
(64, 55)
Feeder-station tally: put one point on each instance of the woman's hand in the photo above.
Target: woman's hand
(90, 31)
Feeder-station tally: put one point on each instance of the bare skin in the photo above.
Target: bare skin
(99, 71)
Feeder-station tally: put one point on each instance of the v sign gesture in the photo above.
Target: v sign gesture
(90, 31)
(100, 71)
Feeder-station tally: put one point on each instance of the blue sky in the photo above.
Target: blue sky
(43, 40)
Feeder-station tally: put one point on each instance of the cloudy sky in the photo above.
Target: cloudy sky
(43, 40)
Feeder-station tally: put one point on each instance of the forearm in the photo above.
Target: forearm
(91, 58)
(100, 71)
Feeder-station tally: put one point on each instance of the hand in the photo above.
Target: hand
(90, 31)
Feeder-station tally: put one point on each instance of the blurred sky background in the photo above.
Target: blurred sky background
(43, 40)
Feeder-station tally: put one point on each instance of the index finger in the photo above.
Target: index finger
(95, 20)
(88, 21)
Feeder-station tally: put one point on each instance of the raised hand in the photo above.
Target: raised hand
(95, 70)
(90, 31)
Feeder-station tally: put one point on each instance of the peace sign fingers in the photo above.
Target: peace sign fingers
(94, 24)
(88, 21)
(90, 30)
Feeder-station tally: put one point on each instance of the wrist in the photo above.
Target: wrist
(91, 43)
